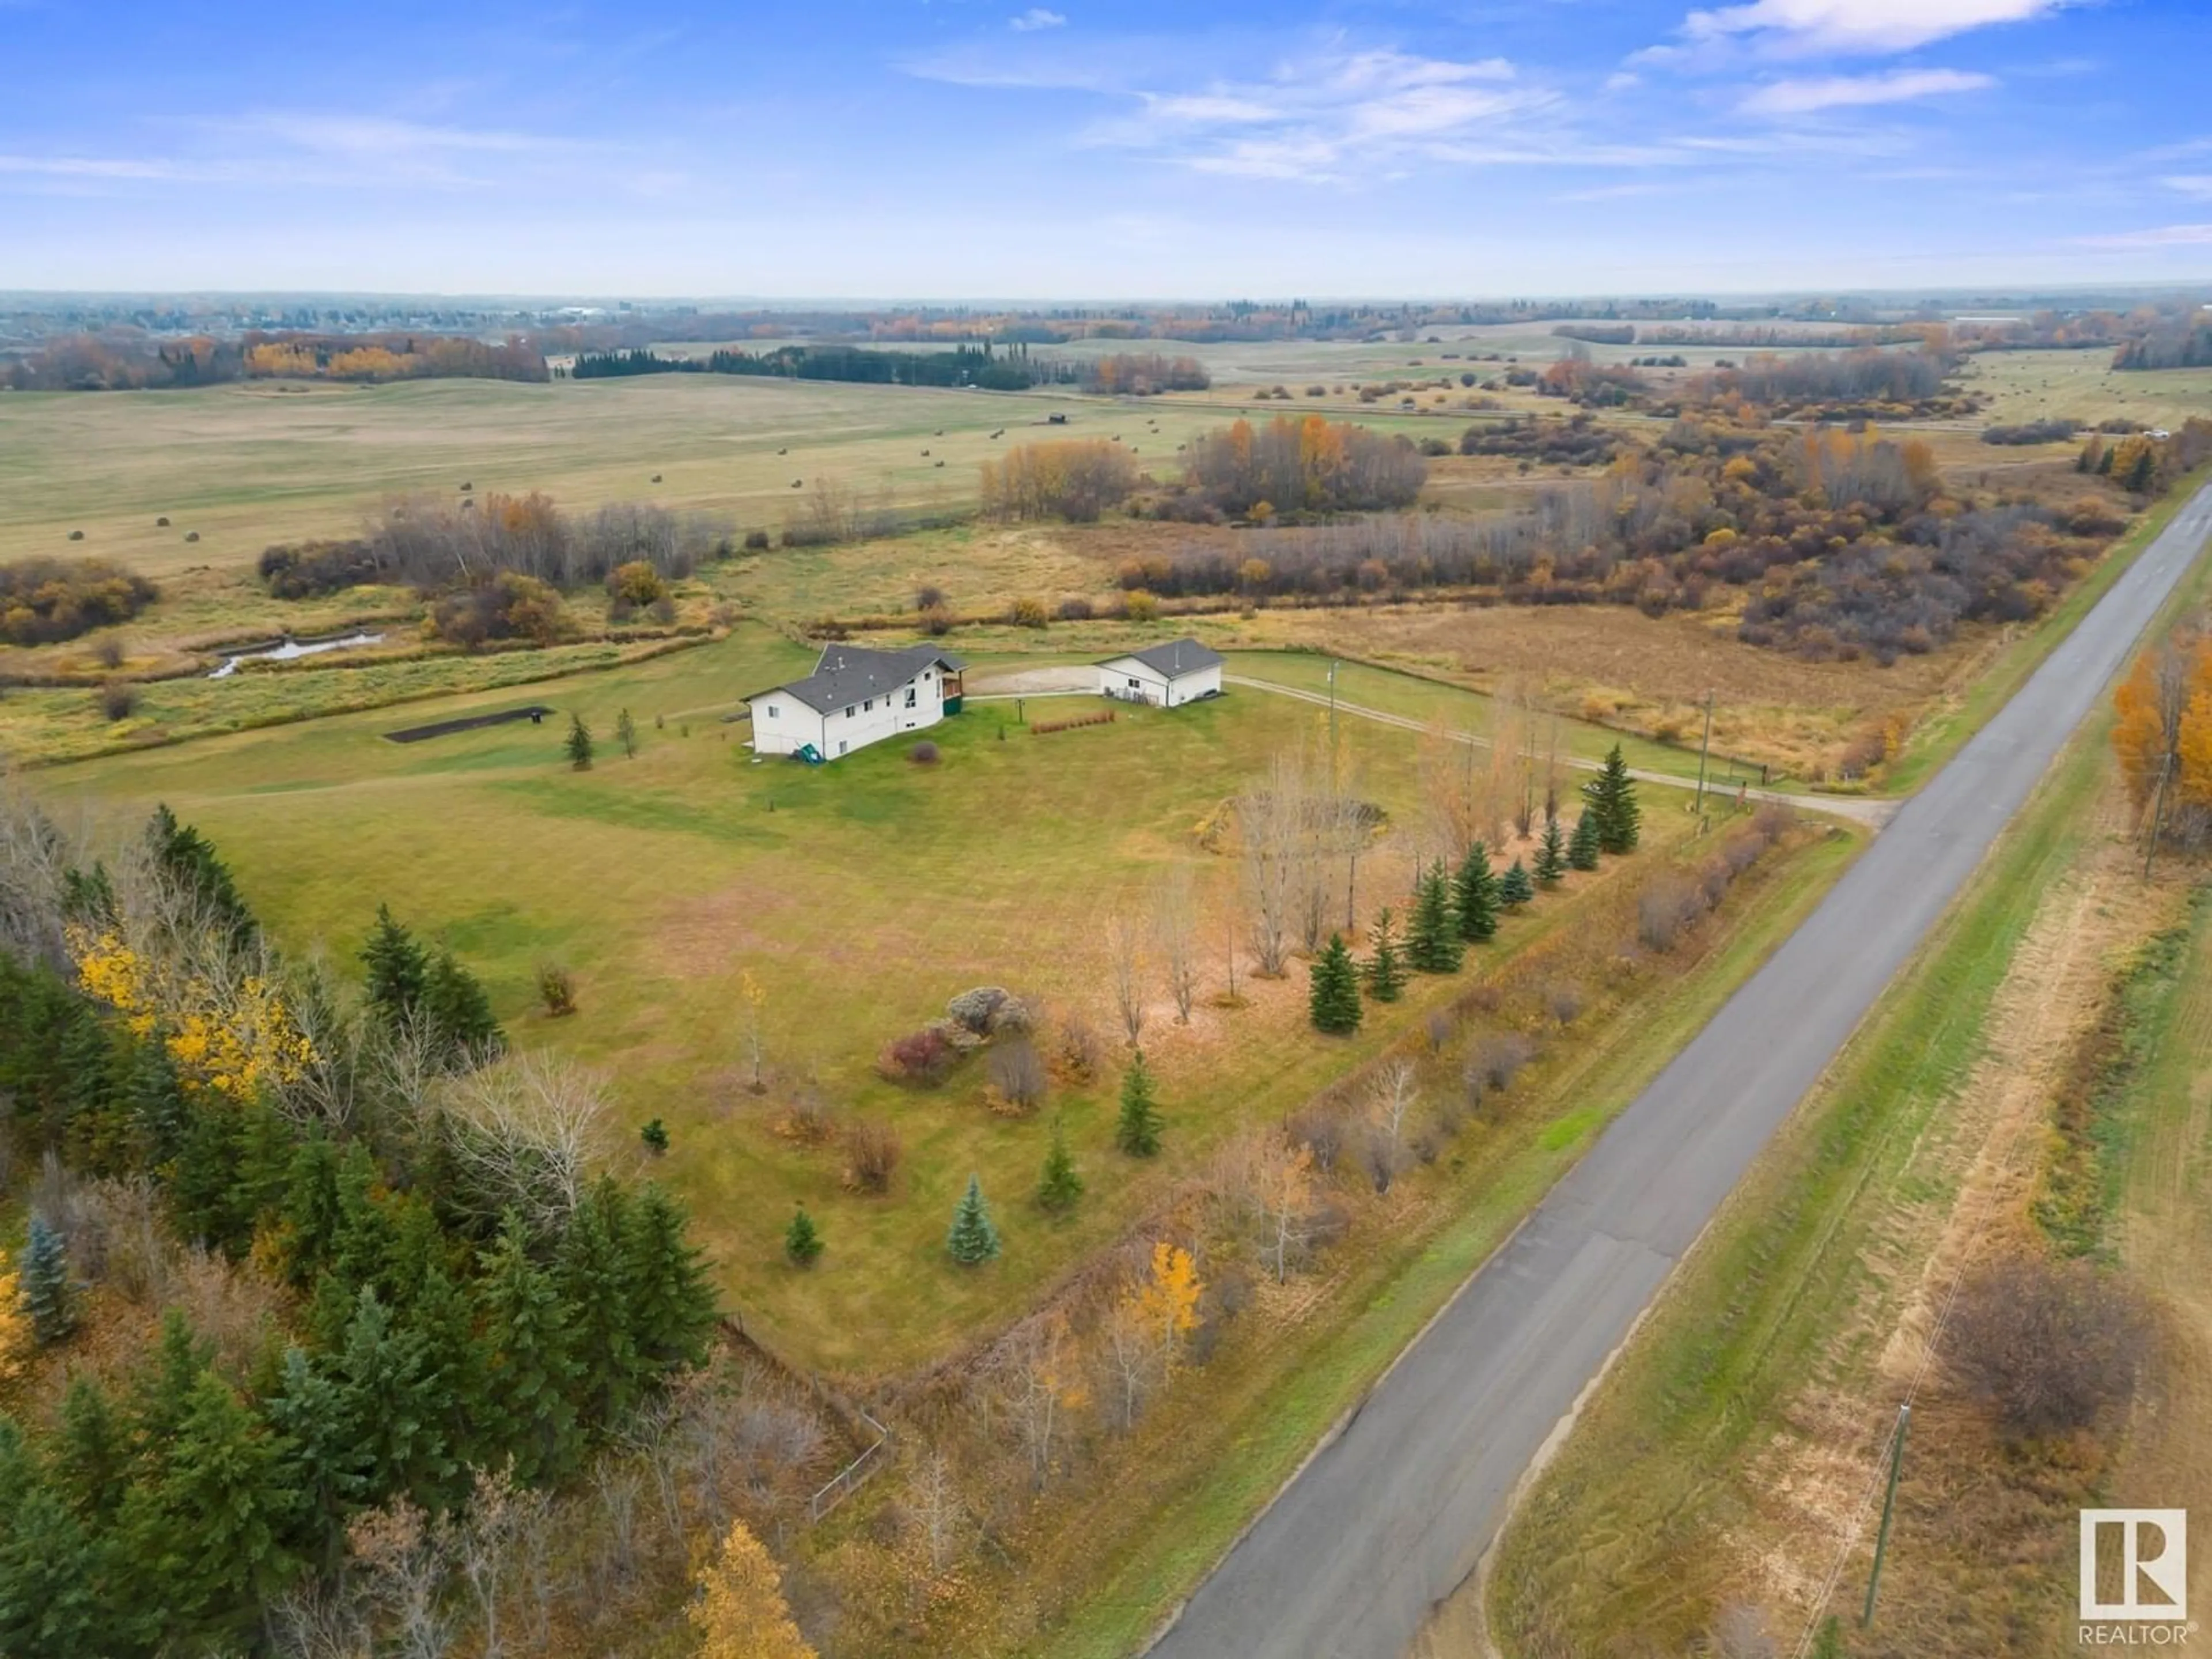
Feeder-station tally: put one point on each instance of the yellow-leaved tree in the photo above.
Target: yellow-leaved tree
(739, 1611)
(232, 1033)
(2163, 734)
(16, 1338)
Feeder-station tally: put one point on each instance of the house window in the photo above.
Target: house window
(869, 705)
(850, 711)
(910, 695)
(773, 711)
(1135, 685)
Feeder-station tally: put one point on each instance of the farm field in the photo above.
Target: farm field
(245, 465)
(2028, 386)
(859, 897)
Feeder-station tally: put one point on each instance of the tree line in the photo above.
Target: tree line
(1009, 369)
(446, 1298)
(121, 360)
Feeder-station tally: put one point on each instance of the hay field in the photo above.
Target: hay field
(2028, 386)
(246, 466)
(860, 896)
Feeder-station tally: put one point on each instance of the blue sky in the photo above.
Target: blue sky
(947, 148)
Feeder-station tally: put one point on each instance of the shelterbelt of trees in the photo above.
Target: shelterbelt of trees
(423, 1292)
(127, 359)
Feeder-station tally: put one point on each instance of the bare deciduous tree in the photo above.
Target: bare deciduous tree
(525, 1134)
(1174, 927)
(1125, 962)
(933, 1502)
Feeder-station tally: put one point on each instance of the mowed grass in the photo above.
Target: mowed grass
(860, 896)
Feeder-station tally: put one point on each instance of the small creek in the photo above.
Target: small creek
(291, 648)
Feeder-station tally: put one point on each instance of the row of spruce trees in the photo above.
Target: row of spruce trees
(1454, 908)
(429, 1334)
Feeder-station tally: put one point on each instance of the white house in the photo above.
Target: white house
(856, 697)
(1180, 671)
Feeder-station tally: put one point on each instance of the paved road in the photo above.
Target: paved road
(1870, 809)
(1390, 1516)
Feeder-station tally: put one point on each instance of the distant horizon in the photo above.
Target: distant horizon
(1997, 292)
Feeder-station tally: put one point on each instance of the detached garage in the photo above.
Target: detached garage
(1180, 671)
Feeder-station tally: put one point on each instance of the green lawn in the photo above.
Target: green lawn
(861, 895)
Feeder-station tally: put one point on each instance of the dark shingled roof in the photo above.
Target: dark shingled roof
(1175, 659)
(853, 673)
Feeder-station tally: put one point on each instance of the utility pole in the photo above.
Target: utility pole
(1888, 1508)
(1703, 748)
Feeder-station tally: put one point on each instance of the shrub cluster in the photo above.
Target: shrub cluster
(2054, 431)
(42, 600)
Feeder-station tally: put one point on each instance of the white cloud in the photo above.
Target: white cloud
(1035, 18)
(1803, 97)
(2198, 185)
(1858, 25)
(2162, 236)
(1313, 117)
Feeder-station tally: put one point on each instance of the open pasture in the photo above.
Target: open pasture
(2083, 385)
(858, 896)
(246, 465)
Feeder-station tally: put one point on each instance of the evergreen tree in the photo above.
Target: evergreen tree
(322, 1464)
(531, 1368)
(626, 733)
(972, 1239)
(1552, 855)
(1333, 1003)
(188, 861)
(311, 1206)
(96, 1098)
(202, 1183)
(391, 1410)
(1612, 798)
(1475, 896)
(1137, 1131)
(158, 1394)
(222, 1503)
(671, 1304)
(458, 1011)
(802, 1242)
(48, 1295)
(159, 1116)
(1432, 939)
(91, 1452)
(1581, 846)
(438, 1336)
(1059, 1187)
(1514, 887)
(578, 746)
(398, 969)
(51, 1599)
(361, 1248)
(593, 1283)
(655, 1136)
(1385, 971)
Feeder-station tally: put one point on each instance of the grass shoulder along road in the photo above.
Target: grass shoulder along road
(1727, 1460)
(1260, 1426)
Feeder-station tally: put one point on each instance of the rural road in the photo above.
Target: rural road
(1390, 1517)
